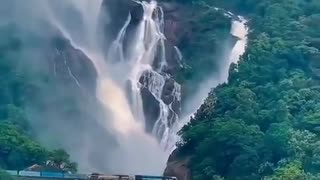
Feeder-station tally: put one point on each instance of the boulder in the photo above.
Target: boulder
(178, 167)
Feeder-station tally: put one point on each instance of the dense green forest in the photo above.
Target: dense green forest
(265, 122)
(18, 150)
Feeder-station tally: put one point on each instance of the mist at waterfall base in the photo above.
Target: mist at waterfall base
(134, 150)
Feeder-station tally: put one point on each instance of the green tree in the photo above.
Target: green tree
(290, 171)
(18, 151)
(61, 160)
(230, 146)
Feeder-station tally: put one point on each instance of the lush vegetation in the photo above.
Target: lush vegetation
(265, 122)
(18, 150)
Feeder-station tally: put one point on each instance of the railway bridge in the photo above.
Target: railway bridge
(43, 175)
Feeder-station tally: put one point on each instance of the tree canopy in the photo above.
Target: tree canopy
(263, 123)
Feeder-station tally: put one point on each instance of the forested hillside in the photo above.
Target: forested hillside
(263, 123)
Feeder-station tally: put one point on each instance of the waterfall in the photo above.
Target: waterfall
(125, 72)
(134, 62)
(240, 31)
(149, 39)
(122, 75)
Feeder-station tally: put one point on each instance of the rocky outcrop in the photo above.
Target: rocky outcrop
(177, 29)
(114, 14)
(178, 167)
(71, 65)
(114, 17)
(189, 29)
(170, 96)
(151, 109)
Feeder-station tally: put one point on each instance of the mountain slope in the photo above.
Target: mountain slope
(264, 121)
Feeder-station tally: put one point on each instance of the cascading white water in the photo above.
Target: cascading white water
(239, 30)
(149, 37)
(179, 54)
(155, 83)
(137, 64)
(139, 150)
(127, 114)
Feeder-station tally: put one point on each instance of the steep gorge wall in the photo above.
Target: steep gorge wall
(186, 29)
(189, 28)
(61, 102)
(117, 12)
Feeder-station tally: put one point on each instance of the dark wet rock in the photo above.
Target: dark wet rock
(151, 109)
(176, 27)
(152, 105)
(167, 93)
(114, 14)
(178, 167)
(71, 65)
(117, 11)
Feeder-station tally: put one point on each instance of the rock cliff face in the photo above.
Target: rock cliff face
(60, 99)
(182, 29)
(178, 167)
(179, 24)
(70, 65)
(64, 91)
(177, 29)
(115, 14)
